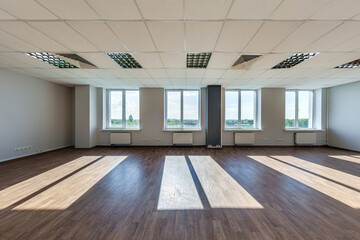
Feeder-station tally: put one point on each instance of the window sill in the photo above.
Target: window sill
(243, 130)
(121, 130)
(182, 130)
(304, 130)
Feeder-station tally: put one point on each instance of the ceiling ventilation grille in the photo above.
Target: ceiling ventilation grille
(51, 59)
(197, 60)
(353, 64)
(245, 61)
(125, 60)
(295, 60)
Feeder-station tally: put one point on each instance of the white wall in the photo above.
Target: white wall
(344, 116)
(34, 113)
(272, 116)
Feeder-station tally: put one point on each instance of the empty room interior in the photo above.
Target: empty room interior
(180, 119)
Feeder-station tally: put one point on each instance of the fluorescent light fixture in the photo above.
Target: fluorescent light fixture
(295, 60)
(125, 60)
(353, 64)
(51, 59)
(197, 60)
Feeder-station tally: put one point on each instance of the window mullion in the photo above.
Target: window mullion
(124, 109)
(182, 109)
(296, 109)
(239, 109)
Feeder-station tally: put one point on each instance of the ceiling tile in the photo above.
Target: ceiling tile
(344, 32)
(4, 48)
(305, 34)
(32, 36)
(270, 35)
(161, 9)
(195, 73)
(173, 60)
(173, 40)
(233, 73)
(158, 73)
(176, 73)
(222, 60)
(214, 73)
(323, 60)
(206, 9)
(25, 61)
(134, 35)
(115, 9)
(298, 9)
(268, 61)
(149, 60)
(252, 73)
(138, 73)
(338, 10)
(15, 43)
(29, 9)
(65, 35)
(70, 9)
(348, 46)
(120, 73)
(100, 60)
(202, 36)
(236, 34)
(99, 34)
(249, 9)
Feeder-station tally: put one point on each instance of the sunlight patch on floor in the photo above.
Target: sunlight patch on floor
(65, 193)
(178, 190)
(329, 188)
(346, 158)
(330, 173)
(21, 190)
(221, 190)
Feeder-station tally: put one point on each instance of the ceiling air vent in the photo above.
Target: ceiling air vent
(295, 60)
(125, 60)
(353, 64)
(245, 61)
(76, 60)
(51, 59)
(197, 60)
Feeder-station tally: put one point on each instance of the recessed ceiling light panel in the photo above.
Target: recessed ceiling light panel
(51, 59)
(125, 60)
(197, 60)
(295, 60)
(353, 64)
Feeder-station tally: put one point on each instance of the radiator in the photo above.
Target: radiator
(305, 138)
(244, 138)
(182, 138)
(120, 138)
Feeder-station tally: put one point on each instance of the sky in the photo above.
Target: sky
(132, 104)
(191, 105)
(232, 101)
(304, 102)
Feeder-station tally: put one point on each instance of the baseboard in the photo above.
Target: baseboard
(31, 154)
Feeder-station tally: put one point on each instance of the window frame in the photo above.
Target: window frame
(182, 109)
(108, 109)
(311, 118)
(239, 109)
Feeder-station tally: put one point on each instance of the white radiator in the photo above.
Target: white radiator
(182, 138)
(244, 138)
(305, 138)
(120, 138)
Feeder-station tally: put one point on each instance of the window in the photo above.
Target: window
(182, 109)
(123, 109)
(240, 109)
(299, 109)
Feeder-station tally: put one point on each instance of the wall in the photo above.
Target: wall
(344, 116)
(151, 120)
(34, 113)
(272, 117)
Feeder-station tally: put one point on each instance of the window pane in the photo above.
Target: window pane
(247, 109)
(132, 109)
(115, 109)
(231, 109)
(290, 109)
(173, 109)
(305, 109)
(191, 109)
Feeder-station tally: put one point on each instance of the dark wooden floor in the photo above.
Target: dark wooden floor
(123, 204)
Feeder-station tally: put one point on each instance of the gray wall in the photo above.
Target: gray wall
(34, 113)
(272, 117)
(344, 116)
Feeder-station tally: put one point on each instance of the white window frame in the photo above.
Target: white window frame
(182, 109)
(311, 118)
(108, 108)
(239, 109)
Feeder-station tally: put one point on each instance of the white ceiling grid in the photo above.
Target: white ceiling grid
(159, 33)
